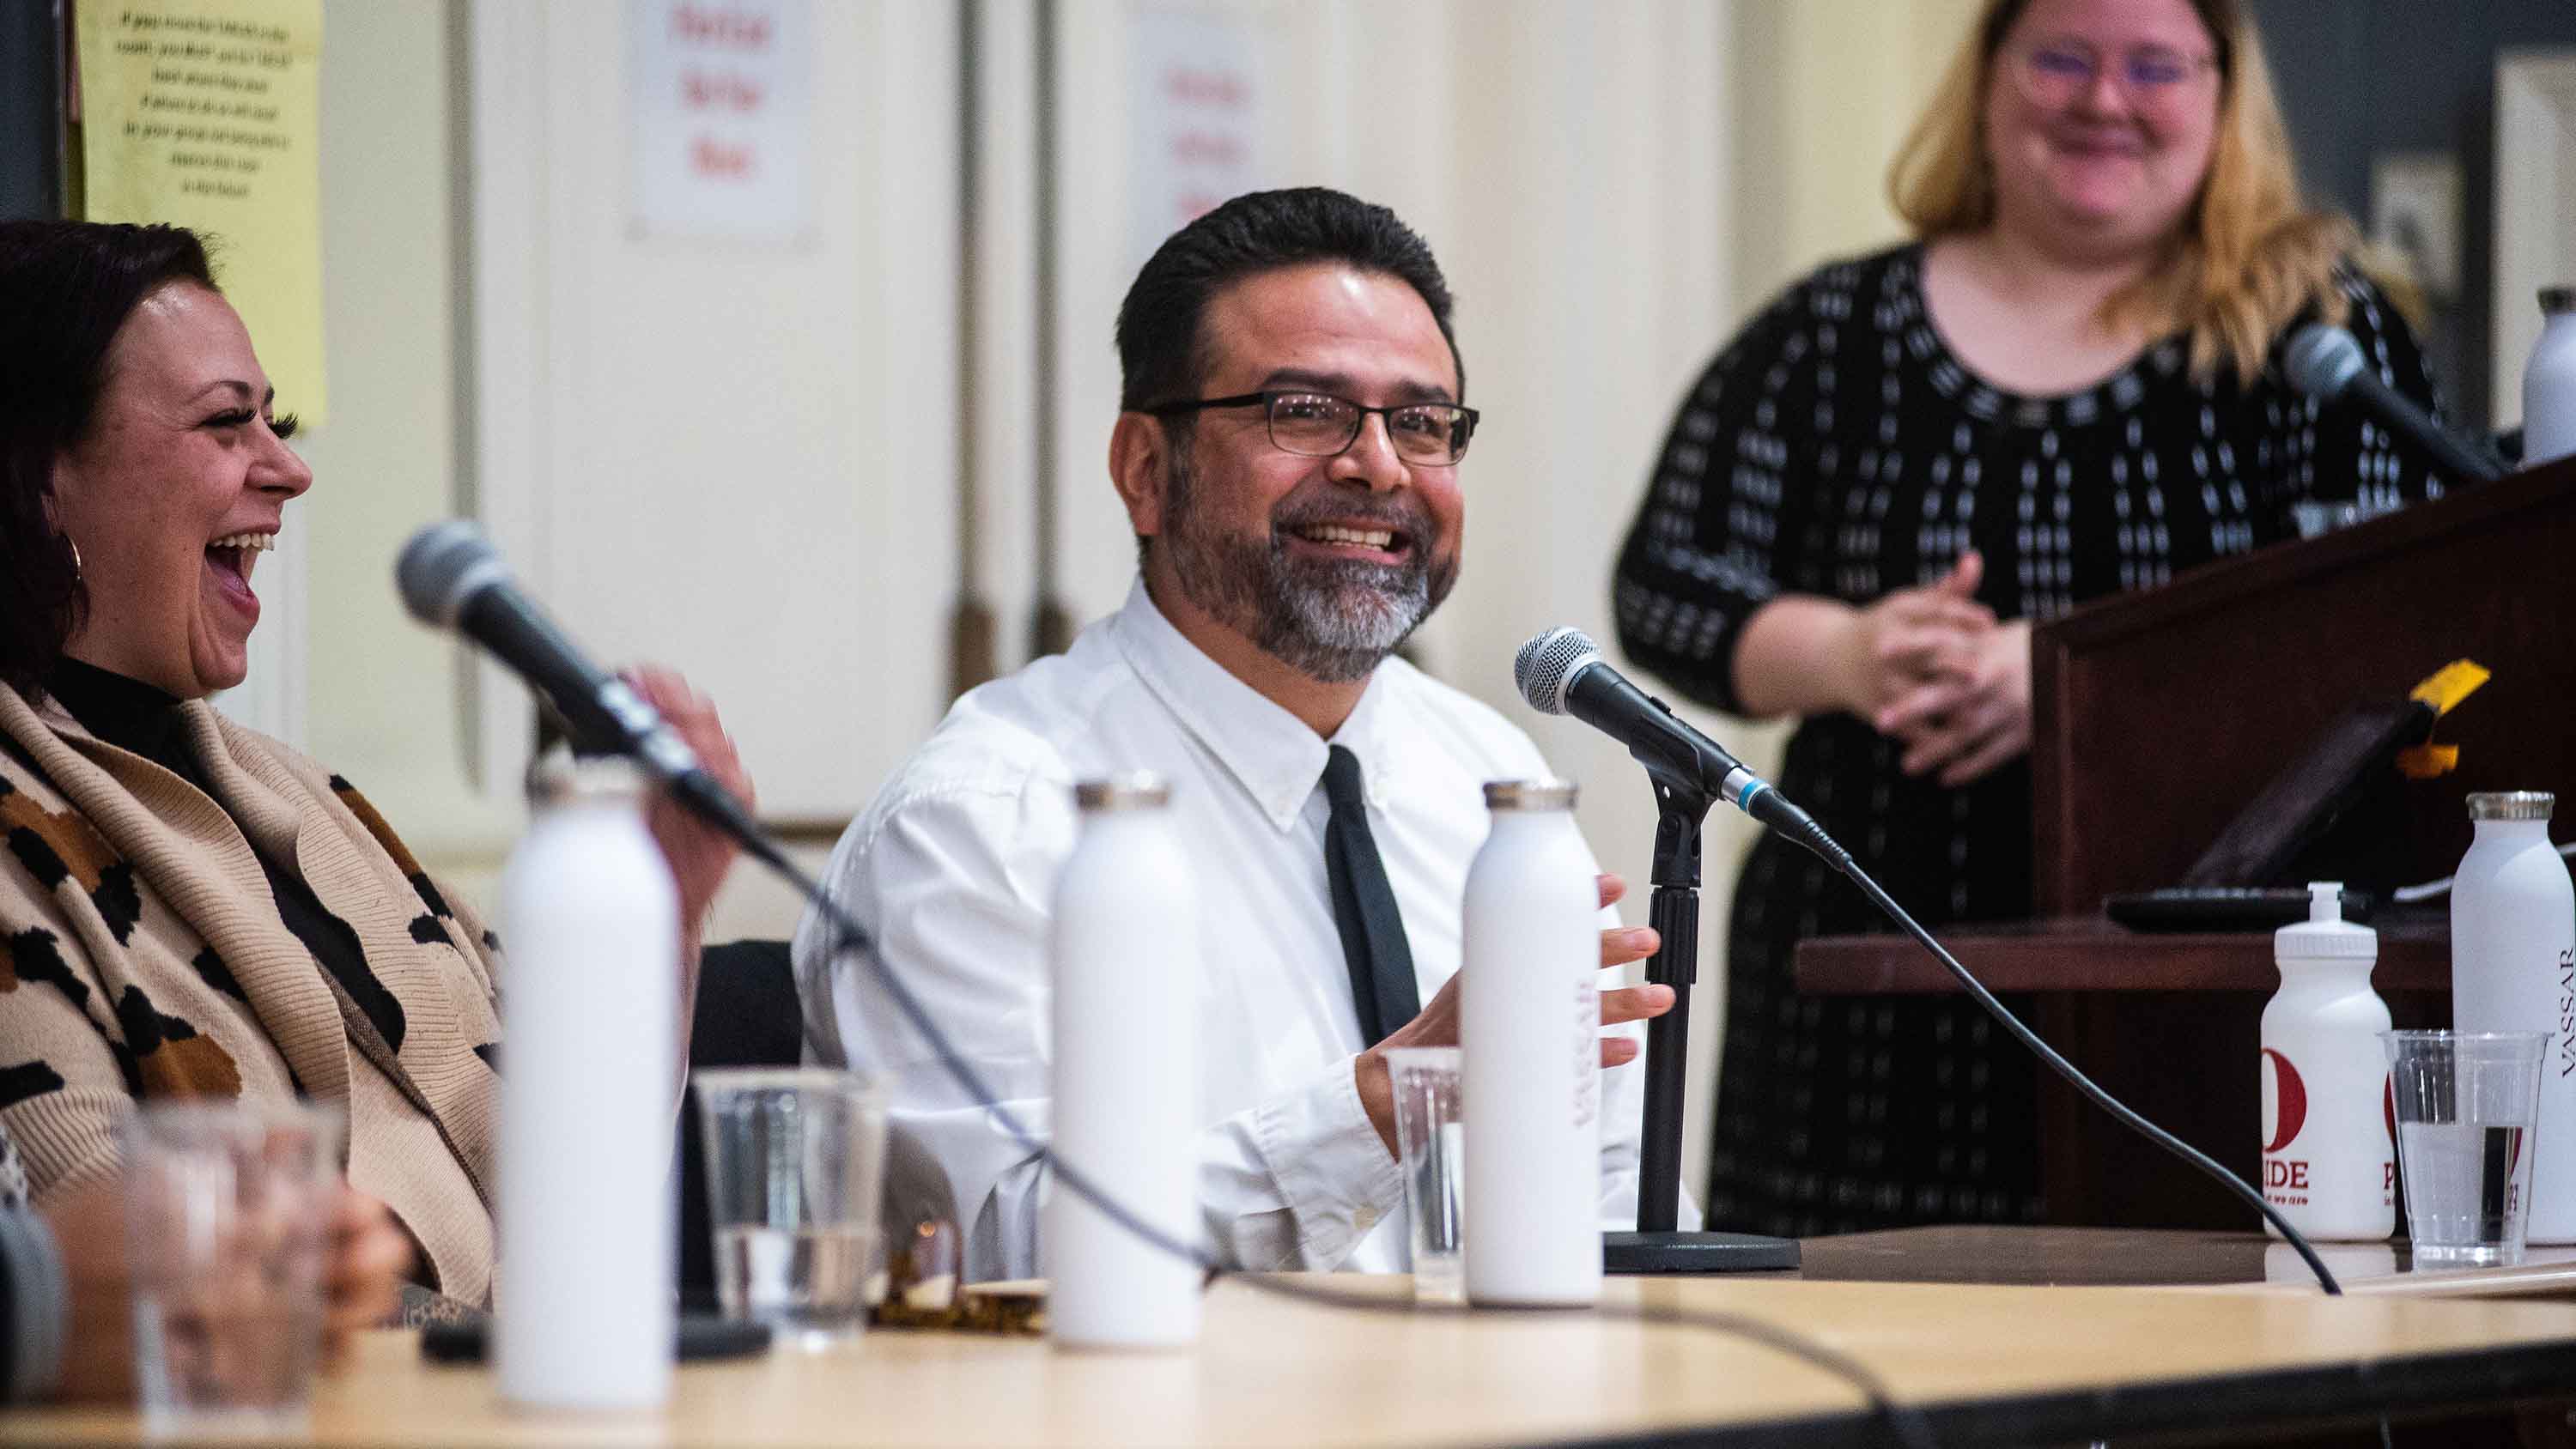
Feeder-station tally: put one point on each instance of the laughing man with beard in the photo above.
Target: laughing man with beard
(1288, 455)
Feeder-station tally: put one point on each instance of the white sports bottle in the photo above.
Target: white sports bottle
(1126, 1075)
(1529, 1023)
(2329, 1159)
(591, 921)
(2549, 382)
(2513, 968)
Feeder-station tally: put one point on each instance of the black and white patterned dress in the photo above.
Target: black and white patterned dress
(1837, 447)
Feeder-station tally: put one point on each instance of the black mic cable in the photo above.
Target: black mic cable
(1840, 859)
(1549, 667)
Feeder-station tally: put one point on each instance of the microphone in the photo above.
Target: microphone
(2326, 363)
(451, 577)
(1563, 672)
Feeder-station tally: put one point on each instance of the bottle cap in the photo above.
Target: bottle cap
(2512, 805)
(559, 777)
(1529, 795)
(1134, 790)
(2325, 934)
(2557, 299)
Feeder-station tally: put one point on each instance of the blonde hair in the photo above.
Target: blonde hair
(2251, 255)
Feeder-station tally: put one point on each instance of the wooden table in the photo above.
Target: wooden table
(2169, 1022)
(1987, 1364)
(2147, 1258)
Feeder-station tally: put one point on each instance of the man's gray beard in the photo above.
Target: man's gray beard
(1332, 620)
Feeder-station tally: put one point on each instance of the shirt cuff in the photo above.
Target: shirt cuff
(1334, 1174)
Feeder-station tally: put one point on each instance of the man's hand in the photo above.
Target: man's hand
(1908, 639)
(1437, 1023)
(1974, 717)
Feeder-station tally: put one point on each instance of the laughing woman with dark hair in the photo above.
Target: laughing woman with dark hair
(188, 908)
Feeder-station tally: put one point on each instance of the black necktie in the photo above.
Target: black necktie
(1373, 943)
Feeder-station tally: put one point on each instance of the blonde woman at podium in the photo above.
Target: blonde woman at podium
(2068, 385)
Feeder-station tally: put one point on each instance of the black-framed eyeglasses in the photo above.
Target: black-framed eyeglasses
(1320, 425)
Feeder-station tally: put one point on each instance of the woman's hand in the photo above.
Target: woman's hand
(699, 854)
(1908, 639)
(366, 1259)
(1974, 717)
(88, 1224)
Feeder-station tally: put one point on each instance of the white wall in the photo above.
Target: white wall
(739, 456)
(735, 459)
(383, 708)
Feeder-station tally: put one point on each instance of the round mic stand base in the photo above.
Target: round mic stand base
(1696, 1253)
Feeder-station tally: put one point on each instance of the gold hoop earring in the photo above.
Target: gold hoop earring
(74, 545)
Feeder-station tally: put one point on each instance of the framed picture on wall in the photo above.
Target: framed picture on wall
(2535, 205)
(2415, 213)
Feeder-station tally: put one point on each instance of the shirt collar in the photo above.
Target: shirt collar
(1272, 755)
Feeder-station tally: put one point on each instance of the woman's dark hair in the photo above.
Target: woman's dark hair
(66, 288)
(1160, 352)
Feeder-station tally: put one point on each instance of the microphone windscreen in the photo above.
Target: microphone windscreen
(1548, 662)
(444, 565)
(2321, 361)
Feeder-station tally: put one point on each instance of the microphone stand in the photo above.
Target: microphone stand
(1658, 1246)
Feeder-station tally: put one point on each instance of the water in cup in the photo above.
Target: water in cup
(2470, 1178)
(801, 1280)
(1432, 1191)
(794, 1174)
(1431, 1142)
(2464, 1105)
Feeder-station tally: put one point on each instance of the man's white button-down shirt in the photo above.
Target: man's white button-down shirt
(953, 868)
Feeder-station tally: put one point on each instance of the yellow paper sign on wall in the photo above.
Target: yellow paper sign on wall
(207, 113)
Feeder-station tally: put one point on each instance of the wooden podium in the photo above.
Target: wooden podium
(2157, 715)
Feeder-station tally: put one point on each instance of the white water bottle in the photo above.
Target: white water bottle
(1529, 1024)
(2329, 1162)
(2549, 382)
(1124, 943)
(588, 1088)
(2513, 968)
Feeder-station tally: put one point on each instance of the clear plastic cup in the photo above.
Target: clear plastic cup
(228, 1217)
(795, 1161)
(2466, 1104)
(1430, 1146)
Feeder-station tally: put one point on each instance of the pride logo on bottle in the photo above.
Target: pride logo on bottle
(2290, 1103)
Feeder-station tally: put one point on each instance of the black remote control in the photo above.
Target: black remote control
(2222, 908)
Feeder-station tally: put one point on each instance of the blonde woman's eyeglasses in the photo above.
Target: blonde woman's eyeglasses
(2053, 73)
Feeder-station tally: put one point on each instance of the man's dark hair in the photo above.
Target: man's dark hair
(1161, 352)
(66, 288)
